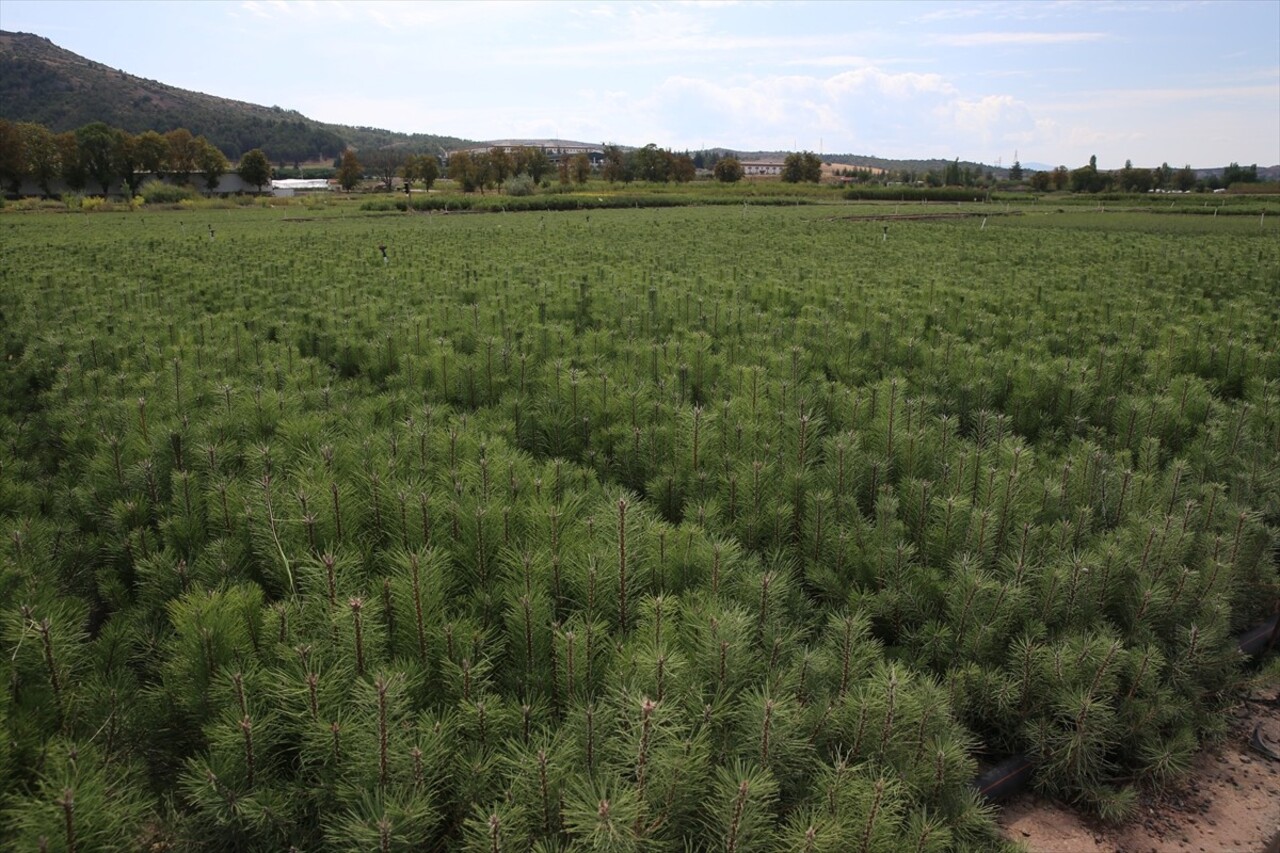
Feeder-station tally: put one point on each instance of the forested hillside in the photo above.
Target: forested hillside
(43, 83)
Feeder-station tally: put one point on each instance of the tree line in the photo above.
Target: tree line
(98, 155)
(1090, 179)
(501, 167)
(472, 170)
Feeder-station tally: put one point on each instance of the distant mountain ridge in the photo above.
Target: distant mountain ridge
(43, 83)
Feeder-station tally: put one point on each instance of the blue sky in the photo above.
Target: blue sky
(1048, 82)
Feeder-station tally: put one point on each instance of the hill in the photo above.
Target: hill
(44, 83)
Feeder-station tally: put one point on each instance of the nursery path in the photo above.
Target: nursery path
(1231, 802)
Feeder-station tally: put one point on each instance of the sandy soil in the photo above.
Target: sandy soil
(1230, 803)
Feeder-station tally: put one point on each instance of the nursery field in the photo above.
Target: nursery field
(731, 528)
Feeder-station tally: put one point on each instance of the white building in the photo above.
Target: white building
(762, 168)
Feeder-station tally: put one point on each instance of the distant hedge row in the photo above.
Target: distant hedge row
(508, 203)
(873, 193)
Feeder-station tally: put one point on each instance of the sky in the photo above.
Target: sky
(1049, 82)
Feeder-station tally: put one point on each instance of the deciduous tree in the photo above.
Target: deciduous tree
(350, 171)
(1237, 174)
(97, 144)
(385, 163)
(1135, 180)
(501, 165)
(1185, 180)
(537, 164)
(653, 164)
(41, 148)
(580, 168)
(125, 160)
(428, 170)
(728, 170)
(423, 167)
(682, 169)
(182, 154)
(153, 152)
(468, 170)
(802, 166)
(953, 175)
(70, 161)
(213, 164)
(255, 168)
(12, 160)
(615, 166)
(1087, 179)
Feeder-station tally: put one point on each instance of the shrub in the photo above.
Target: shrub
(158, 192)
(520, 185)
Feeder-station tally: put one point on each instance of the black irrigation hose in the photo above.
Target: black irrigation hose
(1260, 638)
(1012, 775)
(1005, 779)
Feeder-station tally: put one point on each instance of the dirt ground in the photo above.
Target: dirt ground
(1230, 803)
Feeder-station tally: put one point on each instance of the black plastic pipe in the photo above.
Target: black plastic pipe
(1260, 639)
(1005, 779)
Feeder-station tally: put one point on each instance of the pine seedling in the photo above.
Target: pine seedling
(49, 644)
(528, 618)
(224, 807)
(658, 671)
(498, 827)
(420, 585)
(604, 818)
(489, 719)
(740, 809)
(212, 630)
(719, 647)
(539, 770)
(384, 821)
(465, 680)
(844, 656)
(770, 732)
(81, 802)
(811, 829)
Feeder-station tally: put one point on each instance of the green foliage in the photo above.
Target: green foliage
(520, 185)
(255, 169)
(97, 143)
(800, 167)
(740, 527)
(81, 802)
(350, 172)
(728, 170)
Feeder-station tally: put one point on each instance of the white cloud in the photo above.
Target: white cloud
(391, 14)
(860, 110)
(1012, 39)
(838, 61)
(989, 119)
